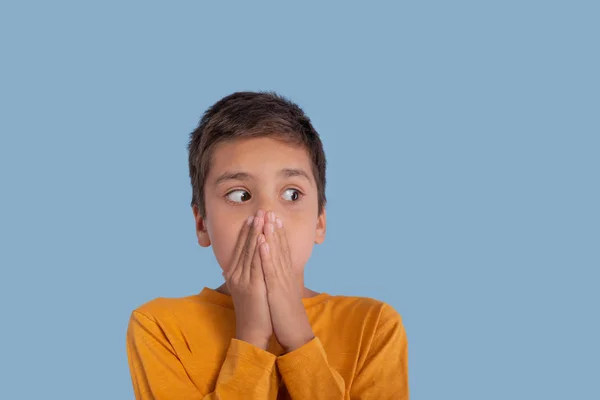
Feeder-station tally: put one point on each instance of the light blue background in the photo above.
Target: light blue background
(463, 159)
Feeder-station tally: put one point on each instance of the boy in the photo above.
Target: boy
(257, 169)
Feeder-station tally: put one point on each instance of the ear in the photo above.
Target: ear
(321, 227)
(201, 231)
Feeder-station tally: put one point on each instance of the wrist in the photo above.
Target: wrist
(299, 343)
(256, 341)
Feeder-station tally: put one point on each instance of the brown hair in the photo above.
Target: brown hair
(246, 115)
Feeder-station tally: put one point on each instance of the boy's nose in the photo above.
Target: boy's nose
(267, 208)
(266, 204)
(268, 212)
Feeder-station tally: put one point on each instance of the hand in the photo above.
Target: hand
(246, 283)
(288, 316)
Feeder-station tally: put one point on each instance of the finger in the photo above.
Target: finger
(278, 255)
(239, 246)
(283, 242)
(271, 238)
(255, 232)
(266, 260)
(256, 271)
(270, 225)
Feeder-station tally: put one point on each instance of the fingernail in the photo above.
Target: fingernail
(257, 221)
(267, 248)
(261, 239)
(250, 220)
(260, 213)
(279, 223)
(272, 227)
(271, 216)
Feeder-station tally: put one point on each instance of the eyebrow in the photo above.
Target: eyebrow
(244, 176)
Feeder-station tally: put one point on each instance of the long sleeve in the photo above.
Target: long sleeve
(382, 375)
(308, 375)
(157, 373)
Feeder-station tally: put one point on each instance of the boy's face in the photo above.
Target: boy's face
(260, 173)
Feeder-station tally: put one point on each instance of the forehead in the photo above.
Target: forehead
(263, 155)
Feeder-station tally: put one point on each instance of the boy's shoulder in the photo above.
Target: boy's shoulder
(160, 308)
(378, 311)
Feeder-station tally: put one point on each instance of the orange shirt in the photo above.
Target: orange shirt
(185, 348)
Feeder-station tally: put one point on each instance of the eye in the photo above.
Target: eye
(238, 196)
(294, 196)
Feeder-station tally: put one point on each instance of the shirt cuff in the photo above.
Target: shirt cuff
(255, 355)
(308, 352)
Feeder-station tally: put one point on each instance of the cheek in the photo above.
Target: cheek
(223, 239)
(301, 240)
